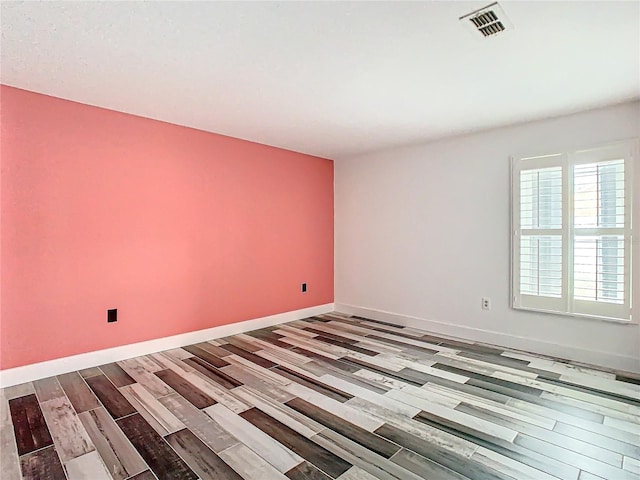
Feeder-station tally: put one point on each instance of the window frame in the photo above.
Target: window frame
(567, 305)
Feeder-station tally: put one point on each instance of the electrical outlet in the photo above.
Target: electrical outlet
(303, 287)
(112, 315)
(486, 303)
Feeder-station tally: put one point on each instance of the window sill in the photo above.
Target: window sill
(578, 315)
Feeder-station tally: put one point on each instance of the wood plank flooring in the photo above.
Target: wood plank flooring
(329, 397)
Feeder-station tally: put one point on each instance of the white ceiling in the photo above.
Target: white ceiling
(332, 79)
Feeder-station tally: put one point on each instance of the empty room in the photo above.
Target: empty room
(294, 240)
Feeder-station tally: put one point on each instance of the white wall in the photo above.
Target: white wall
(422, 233)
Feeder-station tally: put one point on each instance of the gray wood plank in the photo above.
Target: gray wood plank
(446, 458)
(202, 460)
(265, 445)
(121, 459)
(143, 372)
(48, 389)
(423, 467)
(156, 414)
(359, 435)
(90, 372)
(210, 432)
(20, 390)
(249, 464)
(78, 392)
(116, 374)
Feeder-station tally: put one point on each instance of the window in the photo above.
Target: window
(571, 249)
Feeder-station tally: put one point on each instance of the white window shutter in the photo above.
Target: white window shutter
(571, 218)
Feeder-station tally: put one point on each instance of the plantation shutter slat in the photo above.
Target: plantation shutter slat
(572, 232)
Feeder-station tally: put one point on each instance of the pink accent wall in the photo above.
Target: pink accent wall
(177, 228)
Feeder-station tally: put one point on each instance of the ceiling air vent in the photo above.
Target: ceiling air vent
(488, 21)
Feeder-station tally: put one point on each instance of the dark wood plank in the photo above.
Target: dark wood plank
(213, 349)
(497, 360)
(628, 379)
(79, 394)
(117, 375)
(347, 367)
(373, 442)
(161, 458)
(42, 465)
(206, 356)
(498, 386)
(316, 385)
(306, 471)
(146, 475)
(593, 451)
(380, 322)
(507, 386)
(263, 362)
(462, 465)
(404, 345)
(333, 336)
(347, 346)
(515, 452)
(189, 391)
(315, 454)
(202, 460)
(425, 468)
(243, 344)
(29, 426)
(464, 346)
(212, 372)
(111, 398)
(271, 337)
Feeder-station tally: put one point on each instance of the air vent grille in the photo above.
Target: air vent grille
(487, 21)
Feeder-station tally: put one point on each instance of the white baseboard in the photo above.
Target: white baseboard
(567, 352)
(35, 371)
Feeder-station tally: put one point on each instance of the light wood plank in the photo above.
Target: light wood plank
(144, 375)
(85, 467)
(69, 435)
(225, 397)
(210, 432)
(268, 448)
(117, 453)
(631, 465)
(48, 389)
(256, 383)
(249, 464)
(20, 390)
(389, 403)
(425, 432)
(161, 419)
